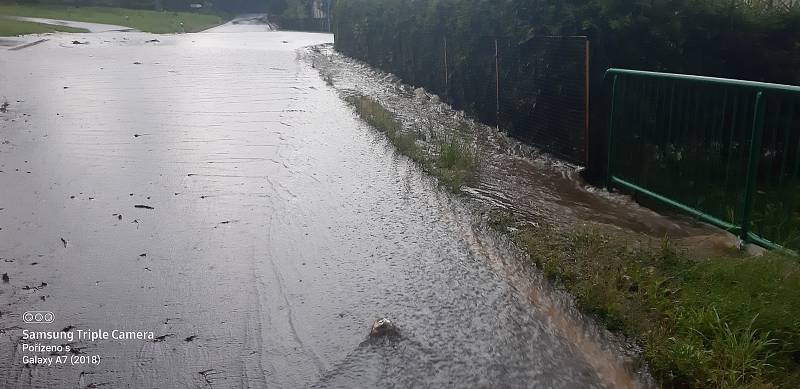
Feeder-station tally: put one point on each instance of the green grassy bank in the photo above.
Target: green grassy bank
(722, 322)
(730, 321)
(150, 21)
(10, 27)
(453, 161)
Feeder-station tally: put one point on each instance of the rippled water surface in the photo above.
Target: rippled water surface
(276, 228)
(513, 176)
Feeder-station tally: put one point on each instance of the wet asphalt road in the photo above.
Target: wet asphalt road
(281, 227)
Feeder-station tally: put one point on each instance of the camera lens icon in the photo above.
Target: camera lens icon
(38, 317)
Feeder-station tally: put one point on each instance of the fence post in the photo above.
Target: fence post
(497, 83)
(586, 103)
(610, 137)
(446, 74)
(756, 133)
(368, 35)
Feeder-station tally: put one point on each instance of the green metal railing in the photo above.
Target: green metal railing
(725, 151)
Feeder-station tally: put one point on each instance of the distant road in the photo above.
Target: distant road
(246, 23)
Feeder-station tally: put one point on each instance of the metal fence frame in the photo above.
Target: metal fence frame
(759, 92)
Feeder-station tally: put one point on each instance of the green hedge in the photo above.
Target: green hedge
(711, 37)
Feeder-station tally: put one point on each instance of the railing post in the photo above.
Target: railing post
(610, 137)
(756, 133)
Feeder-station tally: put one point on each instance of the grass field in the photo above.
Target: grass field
(150, 21)
(9, 27)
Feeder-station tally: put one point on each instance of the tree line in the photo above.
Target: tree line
(724, 38)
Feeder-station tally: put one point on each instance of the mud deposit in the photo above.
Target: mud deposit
(211, 188)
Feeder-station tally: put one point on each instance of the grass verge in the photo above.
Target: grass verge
(10, 27)
(150, 21)
(457, 163)
(723, 322)
(450, 159)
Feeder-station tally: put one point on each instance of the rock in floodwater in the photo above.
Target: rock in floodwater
(383, 328)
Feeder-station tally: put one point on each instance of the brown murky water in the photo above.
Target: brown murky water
(281, 227)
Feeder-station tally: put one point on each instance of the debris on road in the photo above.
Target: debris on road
(383, 328)
(64, 242)
(206, 373)
(143, 206)
(5, 277)
(28, 287)
(162, 338)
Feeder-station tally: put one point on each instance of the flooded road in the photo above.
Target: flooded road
(211, 188)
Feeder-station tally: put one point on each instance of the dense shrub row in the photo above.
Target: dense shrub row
(709, 37)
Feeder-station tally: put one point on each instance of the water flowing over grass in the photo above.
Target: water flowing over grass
(722, 320)
(457, 161)
(150, 21)
(451, 160)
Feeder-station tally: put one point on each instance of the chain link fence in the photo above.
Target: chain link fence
(536, 90)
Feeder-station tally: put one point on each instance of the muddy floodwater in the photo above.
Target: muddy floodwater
(214, 190)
